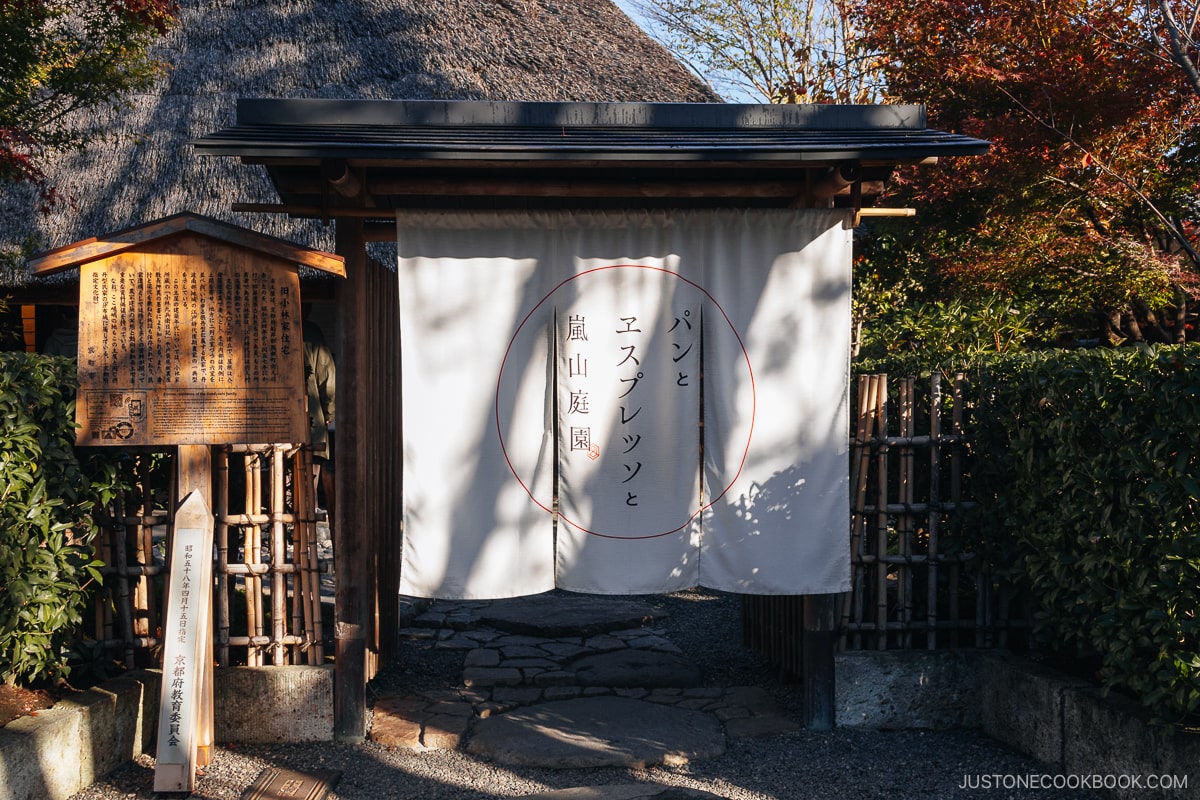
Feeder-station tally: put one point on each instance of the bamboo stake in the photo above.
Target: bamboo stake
(278, 558)
(935, 478)
(956, 468)
(905, 523)
(221, 602)
(124, 600)
(852, 603)
(252, 537)
(141, 613)
(313, 575)
(104, 600)
(299, 553)
(881, 522)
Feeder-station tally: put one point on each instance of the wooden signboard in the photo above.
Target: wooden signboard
(190, 344)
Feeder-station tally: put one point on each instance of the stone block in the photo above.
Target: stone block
(892, 690)
(42, 757)
(273, 704)
(1021, 704)
(61, 751)
(1112, 736)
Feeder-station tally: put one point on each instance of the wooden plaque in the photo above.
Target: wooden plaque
(196, 342)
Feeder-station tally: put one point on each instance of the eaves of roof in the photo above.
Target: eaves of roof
(433, 130)
(372, 157)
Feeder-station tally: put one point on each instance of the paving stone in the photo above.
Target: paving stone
(418, 634)
(451, 709)
(555, 678)
(513, 640)
(444, 732)
(456, 643)
(463, 621)
(492, 676)
(522, 651)
(556, 614)
(654, 643)
(699, 703)
(565, 650)
(482, 657)
(633, 791)
(430, 619)
(526, 663)
(474, 695)
(605, 643)
(400, 705)
(726, 713)
(485, 710)
(517, 696)
(395, 730)
(598, 732)
(629, 668)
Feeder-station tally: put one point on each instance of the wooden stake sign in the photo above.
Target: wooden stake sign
(186, 642)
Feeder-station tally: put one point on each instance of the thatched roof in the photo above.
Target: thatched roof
(585, 50)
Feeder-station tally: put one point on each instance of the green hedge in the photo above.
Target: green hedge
(1087, 466)
(46, 527)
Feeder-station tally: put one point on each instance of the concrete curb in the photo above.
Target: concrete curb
(1066, 724)
(65, 749)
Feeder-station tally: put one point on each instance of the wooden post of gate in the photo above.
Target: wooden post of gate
(189, 335)
(818, 668)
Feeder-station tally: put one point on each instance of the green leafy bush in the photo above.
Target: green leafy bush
(46, 527)
(1087, 465)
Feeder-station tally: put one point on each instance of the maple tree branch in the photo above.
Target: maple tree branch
(1108, 170)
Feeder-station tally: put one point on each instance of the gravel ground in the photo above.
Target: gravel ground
(844, 763)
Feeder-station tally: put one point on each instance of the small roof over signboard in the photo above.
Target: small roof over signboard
(99, 247)
(369, 158)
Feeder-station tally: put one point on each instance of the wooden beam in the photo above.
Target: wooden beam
(350, 552)
(586, 188)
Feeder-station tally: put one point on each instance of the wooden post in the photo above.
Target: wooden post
(185, 728)
(820, 641)
(351, 553)
(193, 464)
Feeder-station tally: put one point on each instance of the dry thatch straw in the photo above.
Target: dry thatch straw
(220, 50)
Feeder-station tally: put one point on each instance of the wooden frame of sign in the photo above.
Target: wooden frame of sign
(189, 335)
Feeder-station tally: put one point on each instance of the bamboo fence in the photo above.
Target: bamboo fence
(267, 595)
(913, 583)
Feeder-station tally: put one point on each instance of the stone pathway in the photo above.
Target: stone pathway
(561, 681)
